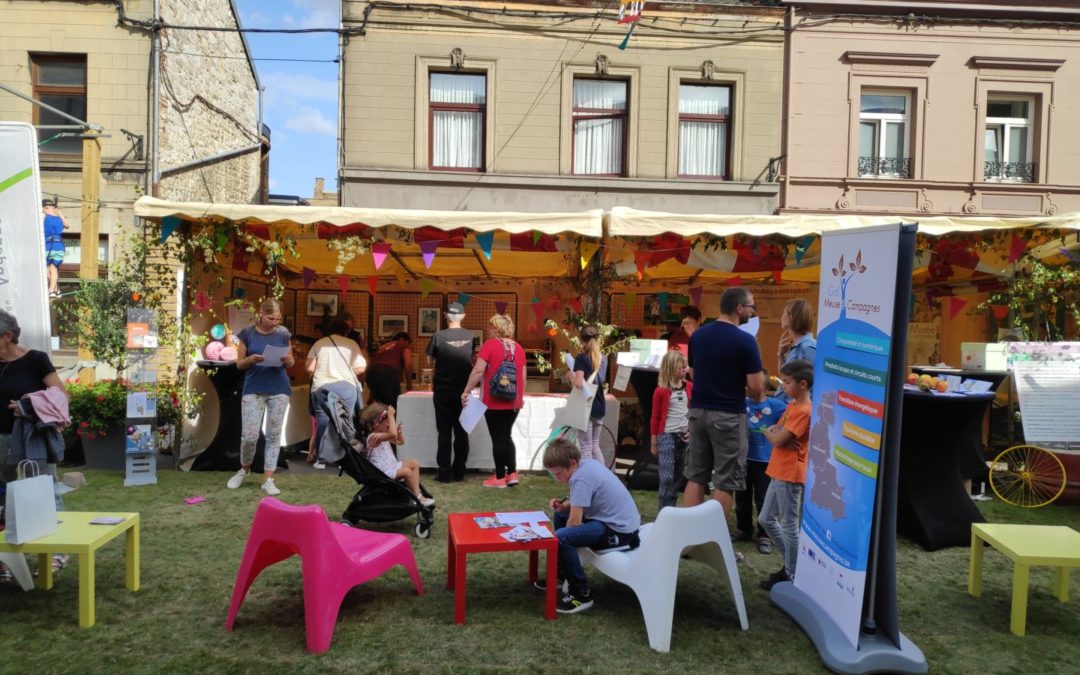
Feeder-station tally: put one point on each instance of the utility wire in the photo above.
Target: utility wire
(244, 58)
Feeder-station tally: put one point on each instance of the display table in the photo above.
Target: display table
(223, 453)
(1025, 545)
(77, 537)
(535, 422)
(464, 536)
(941, 438)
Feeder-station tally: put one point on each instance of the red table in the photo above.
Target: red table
(466, 537)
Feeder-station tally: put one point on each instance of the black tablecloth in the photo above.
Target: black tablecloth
(940, 443)
(223, 453)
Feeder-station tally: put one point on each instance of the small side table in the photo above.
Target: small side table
(465, 537)
(1025, 545)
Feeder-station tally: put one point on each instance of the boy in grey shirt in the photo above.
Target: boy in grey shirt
(599, 514)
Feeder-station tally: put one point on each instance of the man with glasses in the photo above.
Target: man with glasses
(726, 366)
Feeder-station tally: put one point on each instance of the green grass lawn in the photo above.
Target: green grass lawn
(190, 555)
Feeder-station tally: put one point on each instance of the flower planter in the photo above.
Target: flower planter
(105, 452)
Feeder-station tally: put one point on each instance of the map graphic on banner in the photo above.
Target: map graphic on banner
(855, 316)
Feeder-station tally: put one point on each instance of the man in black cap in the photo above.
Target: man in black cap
(451, 353)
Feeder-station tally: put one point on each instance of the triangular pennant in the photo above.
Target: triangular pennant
(538, 310)
(536, 236)
(641, 261)
(427, 249)
(373, 284)
(426, 286)
(778, 277)
(1001, 312)
(343, 283)
(626, 40)
(500, 306)
(576, 304)
(734, 281)
(630, 299)
(802, 246)
(379, 251)
(168, 226)
(309, 276)
(955, 306)
(464, 299)
(588, 250)
(695, 295)
(1017, 248)
(485, 239)
(662, 298)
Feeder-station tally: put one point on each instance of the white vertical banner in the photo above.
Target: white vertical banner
(22, 237)
(855, 317)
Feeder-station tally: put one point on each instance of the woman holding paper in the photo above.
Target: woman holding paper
(22, 371)
(264, 352)
(497, 358)
(588, 362)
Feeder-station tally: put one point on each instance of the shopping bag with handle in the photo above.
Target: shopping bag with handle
(30, 507)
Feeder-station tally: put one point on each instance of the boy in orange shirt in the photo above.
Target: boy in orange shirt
(779, 515)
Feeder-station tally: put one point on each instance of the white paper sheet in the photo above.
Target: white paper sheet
(471, 414)
(976, 386)
(272, 356)
(622, 377)
(568, 361)
(954, 382)
(522, 517)
(628, 358)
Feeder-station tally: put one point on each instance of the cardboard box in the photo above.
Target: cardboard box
(983, 355)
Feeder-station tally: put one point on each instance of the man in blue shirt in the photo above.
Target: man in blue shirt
(726, 366)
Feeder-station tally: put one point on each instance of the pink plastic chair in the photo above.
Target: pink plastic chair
(335, 558)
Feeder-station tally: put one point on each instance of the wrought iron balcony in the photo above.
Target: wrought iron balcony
(1018, 172)
(890, 167)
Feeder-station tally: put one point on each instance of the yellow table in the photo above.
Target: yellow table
(77, 537)
(1025, 545)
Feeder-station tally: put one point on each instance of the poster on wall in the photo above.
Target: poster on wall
(855, 319)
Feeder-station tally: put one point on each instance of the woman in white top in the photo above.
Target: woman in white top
(335, 363)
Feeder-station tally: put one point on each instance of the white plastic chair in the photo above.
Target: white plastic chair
(16, 562)
(652, 569)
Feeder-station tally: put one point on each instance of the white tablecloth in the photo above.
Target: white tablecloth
(533, 425)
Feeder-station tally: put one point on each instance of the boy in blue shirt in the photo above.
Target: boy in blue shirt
(761, 413)
(599, 514)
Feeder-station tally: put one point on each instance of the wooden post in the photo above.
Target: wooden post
(88, 236)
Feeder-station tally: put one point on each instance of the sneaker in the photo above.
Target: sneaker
(572, 603)
(512, 479)
(563, 587)
(237, 480)
(427, 502)
(495, 482)
(764, 545)
(775, 578)
(269, 488)
(319, 465)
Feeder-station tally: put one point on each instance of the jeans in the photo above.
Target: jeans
(252, 409)
(757, 483)
(779, 516)
(589, 441)
(588, 534)
(447, 423)
(671, 453)
(500, 423)
(346, 391)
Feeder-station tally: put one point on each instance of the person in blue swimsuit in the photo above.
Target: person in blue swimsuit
(55, 224)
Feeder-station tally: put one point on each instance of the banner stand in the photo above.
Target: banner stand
(881, 646)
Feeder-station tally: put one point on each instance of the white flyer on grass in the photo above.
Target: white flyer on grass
(272, 356)
(622, 378)
(522, 517)
(471, 414)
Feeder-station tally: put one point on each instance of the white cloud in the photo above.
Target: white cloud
(308, 120)
(298, 86)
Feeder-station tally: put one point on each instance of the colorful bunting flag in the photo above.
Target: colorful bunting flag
(1017, 248)
(802, 246)
(426, 285)
(695, 295)
(168, 226)
(373, 284)
(588, 250)
(630, 299)
(662, 298)
(309, 276)
(343, 283)
(955, 306)
(641, 261)
(500, 306)
(536, 236)
(379, 251)
(734, 281)
(485, 239)
(538, 310)
(464, 299)
(778, 278)
(427, 249)
(1001, 312)
(575, 302)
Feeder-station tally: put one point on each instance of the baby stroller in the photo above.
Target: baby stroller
(381, 499)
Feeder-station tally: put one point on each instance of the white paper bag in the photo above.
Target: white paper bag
(30, 510)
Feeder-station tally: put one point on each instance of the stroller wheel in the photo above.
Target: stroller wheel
(422, 530)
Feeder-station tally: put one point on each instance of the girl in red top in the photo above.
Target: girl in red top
(501, 412)
(668, 428)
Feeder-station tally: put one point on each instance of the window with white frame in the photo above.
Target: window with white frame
(599, 122)
(704, 130)
(1008, 139)
(884, 125)
(457, 107)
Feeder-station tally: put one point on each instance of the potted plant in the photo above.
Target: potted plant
(98, 413)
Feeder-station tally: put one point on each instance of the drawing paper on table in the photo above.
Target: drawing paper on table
(522, 517)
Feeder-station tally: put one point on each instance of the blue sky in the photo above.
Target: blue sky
(300, 102)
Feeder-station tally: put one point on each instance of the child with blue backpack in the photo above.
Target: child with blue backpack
(761, 413)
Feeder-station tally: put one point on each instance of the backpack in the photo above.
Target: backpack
(503, 384)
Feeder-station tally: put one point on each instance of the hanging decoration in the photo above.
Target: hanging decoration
(485, 239)
(802, 246)
(343, 283)
(348, 249)
(500, 306)
(1001, 312)
(426, 285)
(734, 281)
(641, 261)
(168, 226)
(464, 299)
(778, 278)
(630, 11)
(309, 276)
(956, 305)
(588, 250)
(379, 251)
(372, 284)
(538, 309)
(575, 302)
(1017, 247)
(630, 299)
(427, 249)
(202, 302)
(662, 299)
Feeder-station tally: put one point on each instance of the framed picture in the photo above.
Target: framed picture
(392, 323)
(318, 303)
(428, 321)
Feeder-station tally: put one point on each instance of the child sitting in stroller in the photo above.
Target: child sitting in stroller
(384, 430)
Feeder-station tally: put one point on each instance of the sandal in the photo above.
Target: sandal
(59, 562)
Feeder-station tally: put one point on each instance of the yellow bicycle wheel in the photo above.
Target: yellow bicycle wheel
(1027, 476)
